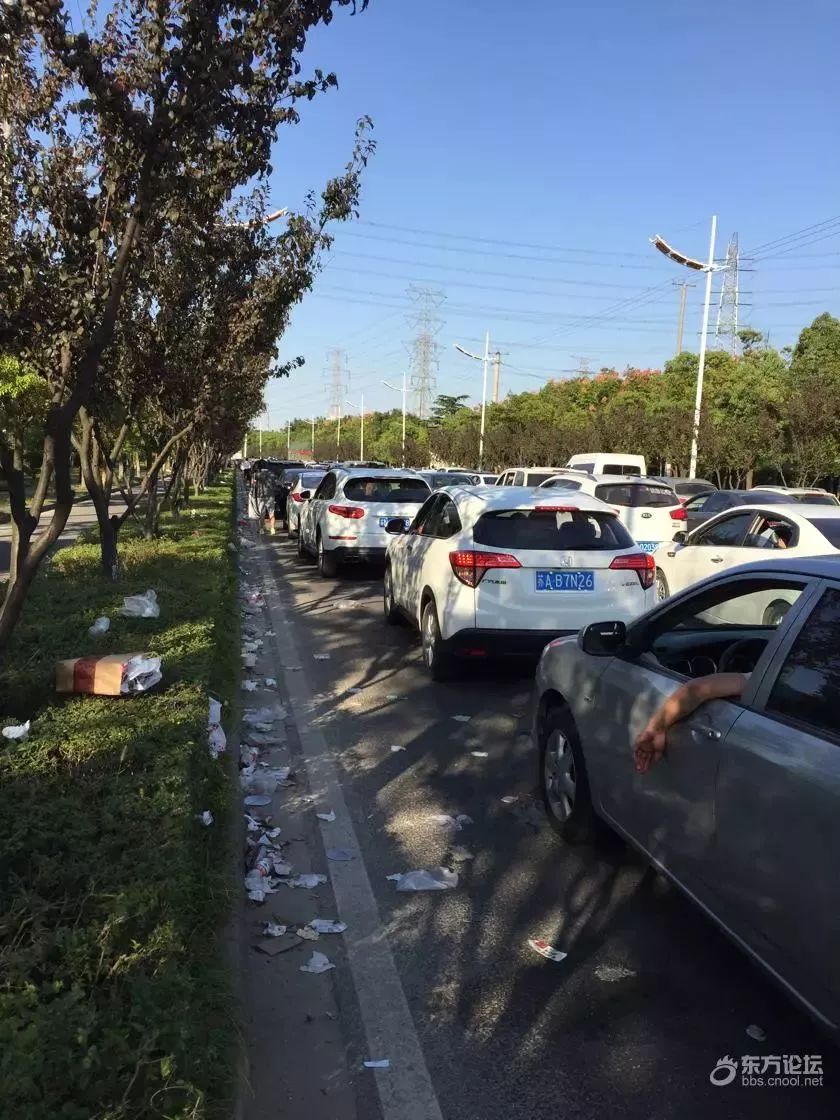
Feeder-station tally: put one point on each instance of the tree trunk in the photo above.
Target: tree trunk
(151, 526)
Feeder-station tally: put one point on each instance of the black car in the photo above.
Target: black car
(689, 487)
(704, 506)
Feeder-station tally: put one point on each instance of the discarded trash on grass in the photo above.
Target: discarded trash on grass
(308, 881)
(101, 626)
(339, 855)
(317, 963)
(329, 817)
(396, 747)
(141, 606)
(461, 855)
(321, 656)
(610, 973)
(446, 821)
(257, 799)
(16, 731)
(206, 818)
(545, 950)
(479, 754)
(327, 925)
(378, 1063)
(249, 686)
(113, 674)
(434, 879)
(462, 719)
(273, 929)
(754, 1031)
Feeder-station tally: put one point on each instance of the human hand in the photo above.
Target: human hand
(650, 745)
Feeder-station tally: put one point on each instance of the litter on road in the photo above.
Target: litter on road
(321, 656)
(327, 925)
(435, 879)
(393, 696)
(546, 950)
(509, 799)
(249, 686)
(307, 933)
(611, 973)
(141, 606)
(274, 929)
(317, 963)
(396, 747)
(101, 626)
(270, 682)
(308, 881)
(329, 817)
(461, 855)
(257, 799)
(206, 818)
(462, 719)
(445, 821)
(378, 1063)
(479, 754)
(339, 855)
(757, 1033)
(16, 731)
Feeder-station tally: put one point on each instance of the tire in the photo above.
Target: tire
(327, 565)
(392, 614)
(439, 663)
(563, 780)
(775, 612)
(662, 591)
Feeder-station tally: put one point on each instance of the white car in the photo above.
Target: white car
(525, 476)
(301, 492)
(812, 495)
(648, 508)
(506, 569)
(744, 535)
(344, 520)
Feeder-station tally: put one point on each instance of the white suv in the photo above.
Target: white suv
(647, 507)
(506, 569)
(345, 518)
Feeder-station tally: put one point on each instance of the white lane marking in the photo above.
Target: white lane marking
(405, 1090)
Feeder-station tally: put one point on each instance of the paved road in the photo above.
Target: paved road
(650, 996)
(82, 516)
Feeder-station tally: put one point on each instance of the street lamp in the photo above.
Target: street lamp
(404, 391)
(484, 360)
(689, 262)
(362, 416)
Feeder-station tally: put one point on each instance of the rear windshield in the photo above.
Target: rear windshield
(829, 527)
(534, 478)
(620, 468)
(636, 494)
(547, 531)
(438, 480)
(310, 480)
(691, 489)
(386, 490)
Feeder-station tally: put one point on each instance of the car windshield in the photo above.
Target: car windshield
(692, 489)
(829, 527)
(636, 494)
(310, 479)
(550, 530)
(386, 490)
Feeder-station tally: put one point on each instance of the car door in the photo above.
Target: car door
(698, 510)
(670, 811)
(415, 553)
(314, 508)
(710, 550)
(778, 808)
(401, 550)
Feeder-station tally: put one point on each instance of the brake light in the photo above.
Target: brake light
(679, 514)
(353, 512)
(642, 563)
(556, 509)
(470, 567)
(297, 498)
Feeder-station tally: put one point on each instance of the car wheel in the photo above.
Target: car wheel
(563, 781)
(327, 565)
(662, 591)
(775, 612)
(301, 547)
(438, 661)
(392, 614)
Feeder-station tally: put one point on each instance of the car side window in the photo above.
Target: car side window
(518, 479)
(726, 533)
(424, 514)
(327, 487)
(808, 684)
(700, 502)
(772, 532)
(444, 520)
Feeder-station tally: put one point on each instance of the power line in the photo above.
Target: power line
(791, 236)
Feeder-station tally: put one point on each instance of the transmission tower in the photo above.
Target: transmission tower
(336, 375)
(726, 327)
(424, 350)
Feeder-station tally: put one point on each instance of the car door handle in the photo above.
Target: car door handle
(701, 731)
(716, 559)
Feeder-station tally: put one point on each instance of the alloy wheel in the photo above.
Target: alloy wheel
(559, 775)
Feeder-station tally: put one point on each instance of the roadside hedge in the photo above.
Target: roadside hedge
(114, 996)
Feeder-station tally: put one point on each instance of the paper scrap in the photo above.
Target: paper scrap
(317, 963)
(330, 816)
(545, 950)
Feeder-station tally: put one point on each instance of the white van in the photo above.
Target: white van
(596, 462)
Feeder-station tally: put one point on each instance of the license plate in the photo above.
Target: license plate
(383, 521)
(648, 546)
(565, 581)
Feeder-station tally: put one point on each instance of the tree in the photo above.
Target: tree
(24, 400)
(165, 110)
(445, 406)
(810, 416)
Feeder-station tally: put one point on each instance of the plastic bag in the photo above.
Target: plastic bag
(101, 626)
(436, 879)
(141, 606)
(141, 674)
(16, 731)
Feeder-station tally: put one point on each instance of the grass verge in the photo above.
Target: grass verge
(114, 998)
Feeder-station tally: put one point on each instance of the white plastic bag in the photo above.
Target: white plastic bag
(141, 674)
(141, 606)
(436, 879)
(16, 731)
(216, 739)
(101, 626)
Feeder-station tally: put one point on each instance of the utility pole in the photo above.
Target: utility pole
(701, 366)
(404, 392)
(424, 349)
(288, 439)
(485, 361)
(683, 285)
(497, 375)
(362, 421)
(313, 437)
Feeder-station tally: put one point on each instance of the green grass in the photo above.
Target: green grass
(114, 998)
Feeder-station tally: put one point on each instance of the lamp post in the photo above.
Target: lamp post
(485, 361)
(404, 391)
(362, 418)
(689, 262)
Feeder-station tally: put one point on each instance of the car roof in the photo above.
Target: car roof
(376, 472)
(821, 567)
(805, 511)
(485, 498)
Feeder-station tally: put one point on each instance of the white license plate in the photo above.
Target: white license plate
(564, 581)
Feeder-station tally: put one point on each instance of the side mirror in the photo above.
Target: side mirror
(602, 639)
(680, 538)
(305, 495)
(395, 526)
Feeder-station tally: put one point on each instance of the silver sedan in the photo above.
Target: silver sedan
(743, 812)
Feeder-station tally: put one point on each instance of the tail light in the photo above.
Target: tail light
(679, 514)
(642, 563)
(353, 512)
(297, 498)
(470, 567)
(556, 509)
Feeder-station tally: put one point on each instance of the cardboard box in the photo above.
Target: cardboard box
(99, 676)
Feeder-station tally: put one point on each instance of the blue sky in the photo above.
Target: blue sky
(537, 145)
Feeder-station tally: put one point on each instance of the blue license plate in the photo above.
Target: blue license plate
(648, 546)
(383, 521)
(565, 581)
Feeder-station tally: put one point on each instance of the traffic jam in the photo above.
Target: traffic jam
(683, 641)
